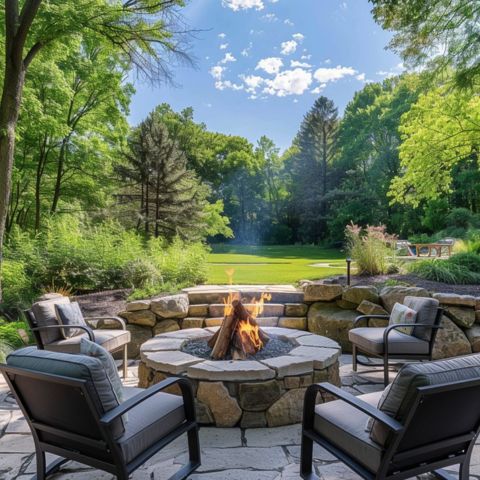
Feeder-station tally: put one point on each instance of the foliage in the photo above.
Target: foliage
(15, 334)
(471, 261)
(444, 271)
(371, 249)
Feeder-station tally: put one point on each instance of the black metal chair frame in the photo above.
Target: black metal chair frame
(386, 356)
(115, 465)
(452, 451)
(33, 324)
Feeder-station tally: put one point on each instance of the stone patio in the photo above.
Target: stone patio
(227, 453)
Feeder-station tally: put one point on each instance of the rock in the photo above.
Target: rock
(48, 296)
(192, 322)
(287, 365)
(370, 308)
(288, 409)
(319, 292)
(207, 296)
(253, 420)
(267, 321)
(139, 317)
(198, 310)
(269, 310)
(138, 336)
(174, 362)
(164, 326)
(203, 413)
(145, 375)
(291, 382)
(477, 316)
(228, 371)
(213, 322)
(160, 343)
(392, 295)
(224, 408)
(256, 397)
(321, 357)
(332, 322)
(464, 317)
(454, 299)
(450, 341)
(360, 293)
(298, 323)
(171, 306)
(345, 304)
(333, 372)
(295, 309)
(138, 305)
(172, 389)
(473, 335)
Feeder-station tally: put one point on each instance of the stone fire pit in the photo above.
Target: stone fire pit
(249, 393)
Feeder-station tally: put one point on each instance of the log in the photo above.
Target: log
(224, 338)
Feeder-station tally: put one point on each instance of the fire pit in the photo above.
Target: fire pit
(248, 387)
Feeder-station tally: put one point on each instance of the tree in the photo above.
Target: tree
(141, 29)
(309, 167)
(436, 33)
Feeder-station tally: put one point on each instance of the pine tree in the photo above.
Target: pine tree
(310, 169)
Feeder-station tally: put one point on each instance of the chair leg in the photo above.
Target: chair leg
(306, 457)
(41, 467)
(386, 376)
(354, 357)
(194, 454)
(125, 361)
(464, 473)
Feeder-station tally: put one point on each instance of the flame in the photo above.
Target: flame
(246, 329)
(258, 305)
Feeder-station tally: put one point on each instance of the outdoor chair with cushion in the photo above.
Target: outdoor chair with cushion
(427, 419)
(404, 340)
(60, 336)
(73, 411)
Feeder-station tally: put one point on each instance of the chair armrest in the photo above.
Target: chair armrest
(120, 321)
(390, 328)
(356, 402)
(88, 330)
(368, 317)
(183, 383)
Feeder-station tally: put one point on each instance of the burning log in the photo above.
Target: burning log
(238, 334)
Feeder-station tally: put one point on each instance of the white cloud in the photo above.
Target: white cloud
(222, 35)
(252, 83)
(296, 63)
(327, 61)
(299, 37)
(305, 57)
(288, 22)
(237, 5)
(396, 70)
(318, 89)
(246, 51)
(288, 47)
(227, 84)
(289, 82)
(270, 17)
(270, 65)
(324, 75)
(228, 58)
(217, 72)
(360, 77)
(343, 5)
(223, 46)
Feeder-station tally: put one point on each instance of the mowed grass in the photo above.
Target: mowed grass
(276, 264)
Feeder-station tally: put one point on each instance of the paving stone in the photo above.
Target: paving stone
(299, 323)
(193, 322)
(188, 334)
(220, 437)
(272, 437)
(319, 453)
(269, 309)
(289, 365)
(10, 465)
(17, 424)
(285, 332)
(230, 371)
(165, 469)
(267, 321)
(198, 310)
(236, 474)
(321, 357)
(202, 296)
(213, 322)
(174, 362)
(317, 341)
(16, 443)
(290, 472)
(157, 344)
(337, 471)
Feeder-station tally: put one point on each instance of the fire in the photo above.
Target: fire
(246, 329)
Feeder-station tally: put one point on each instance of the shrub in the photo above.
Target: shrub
(371, 249)
(459, 217)
(444, 271)
(471, 261)
(18, 286)
(14, 334)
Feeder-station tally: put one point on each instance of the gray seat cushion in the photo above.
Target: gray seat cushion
(44, 313)
(110, 340)
(344, 426)
(370, 340)
(150, 421)
(400, 397)
(81, 367)
(426, 309)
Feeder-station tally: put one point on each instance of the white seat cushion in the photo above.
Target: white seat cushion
(110, 340)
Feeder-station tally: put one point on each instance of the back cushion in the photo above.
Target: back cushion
(401, 314)
(70, 314)
(400, 397)
(44, 313)
(426, 309)
(81, 367)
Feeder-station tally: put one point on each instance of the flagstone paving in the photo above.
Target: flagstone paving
(227, 453)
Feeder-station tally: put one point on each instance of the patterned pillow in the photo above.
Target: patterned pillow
(403, 314)
(70, 314)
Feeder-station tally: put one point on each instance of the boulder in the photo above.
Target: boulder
(360, 293)
(48, 296)
(145, 375)
(171, 306)
(256, 397)
(370, 308)
(295, 309)
(203, 413)
(224, 408)
(138, 305)
(331, 321)
(298, 323)
(473, 335)
(193, 322)
(454, 299)
(464, 317)
(477, 316)
(138, 336)
(320, 292)
(391, 295)
(253, 420)
(288, 409)
(345, 304)
(139, 317)
(450, 341)
(164, 326)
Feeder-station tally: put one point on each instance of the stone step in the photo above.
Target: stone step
(262, 322)
(269, 309)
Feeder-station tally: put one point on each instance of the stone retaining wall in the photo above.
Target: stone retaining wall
(324, 308)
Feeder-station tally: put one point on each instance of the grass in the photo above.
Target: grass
(272, 264)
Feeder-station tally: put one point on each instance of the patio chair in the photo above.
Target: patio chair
(73, 412)
(427, 419)
(47, 330)
(389, 343)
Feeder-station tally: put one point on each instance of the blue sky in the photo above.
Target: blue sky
(260, 64)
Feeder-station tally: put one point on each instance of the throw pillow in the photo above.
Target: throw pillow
(371, 420)
(403, 314)
(70, 314)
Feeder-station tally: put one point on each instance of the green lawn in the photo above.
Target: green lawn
(273, 264)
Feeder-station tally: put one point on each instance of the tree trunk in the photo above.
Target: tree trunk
(58, 180)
